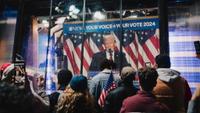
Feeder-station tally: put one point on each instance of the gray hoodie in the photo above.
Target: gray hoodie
(168, 75)
(170, 90)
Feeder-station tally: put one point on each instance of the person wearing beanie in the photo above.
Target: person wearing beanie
(76, 98)
(6, 71)
(11, 74)
(20, 95)
(79, 84)
(115, 98)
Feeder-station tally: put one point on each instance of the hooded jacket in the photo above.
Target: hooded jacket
(172, 90)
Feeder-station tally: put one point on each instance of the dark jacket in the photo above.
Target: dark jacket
(101, 56)
(53, 99)
(115, 98)
(143, 102)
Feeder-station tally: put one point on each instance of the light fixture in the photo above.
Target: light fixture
(74, 9)
(98, 15)
(45, 23)
(71, 8)
(57, 9)
(133, 16)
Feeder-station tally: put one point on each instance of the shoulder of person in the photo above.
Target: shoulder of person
(163, 107)
(54, 95)
(119, 52)
(96, 78)
(99, 53)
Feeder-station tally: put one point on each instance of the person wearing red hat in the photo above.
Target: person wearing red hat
(6, 72)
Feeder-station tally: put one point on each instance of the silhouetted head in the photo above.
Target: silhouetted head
(128, 75)
(107, 64)
(79, 83)
(64, 77)
(148, 78)
(163, 61)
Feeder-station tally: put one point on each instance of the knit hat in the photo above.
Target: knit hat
(126, 71)
(79, 83)
(5, 69)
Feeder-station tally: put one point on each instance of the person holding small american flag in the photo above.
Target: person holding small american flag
(105, 80)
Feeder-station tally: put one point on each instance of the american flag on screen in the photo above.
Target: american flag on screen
(73, 48)
(140, 46)
(109, 86)
(148, 46)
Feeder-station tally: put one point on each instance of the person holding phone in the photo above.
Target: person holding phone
(9, 72)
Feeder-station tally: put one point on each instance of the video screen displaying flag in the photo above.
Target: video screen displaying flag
(139, 40)
(140, 43)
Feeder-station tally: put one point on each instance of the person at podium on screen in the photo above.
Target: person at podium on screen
(110, 52)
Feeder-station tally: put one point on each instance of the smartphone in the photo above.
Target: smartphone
(19, 77)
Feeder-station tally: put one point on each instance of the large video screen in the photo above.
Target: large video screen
(136, 44)
(81, 49)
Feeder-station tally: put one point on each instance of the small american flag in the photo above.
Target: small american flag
(109, 86)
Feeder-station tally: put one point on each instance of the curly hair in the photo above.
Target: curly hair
(75, 102)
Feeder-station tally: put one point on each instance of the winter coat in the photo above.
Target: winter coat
(172, 90)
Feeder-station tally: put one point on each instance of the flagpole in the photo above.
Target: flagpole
(121, 35)
(49, 36)
(83, 37)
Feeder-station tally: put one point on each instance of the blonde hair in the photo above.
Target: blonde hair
(75, 102)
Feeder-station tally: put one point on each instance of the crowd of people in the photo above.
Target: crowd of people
(161, 90)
